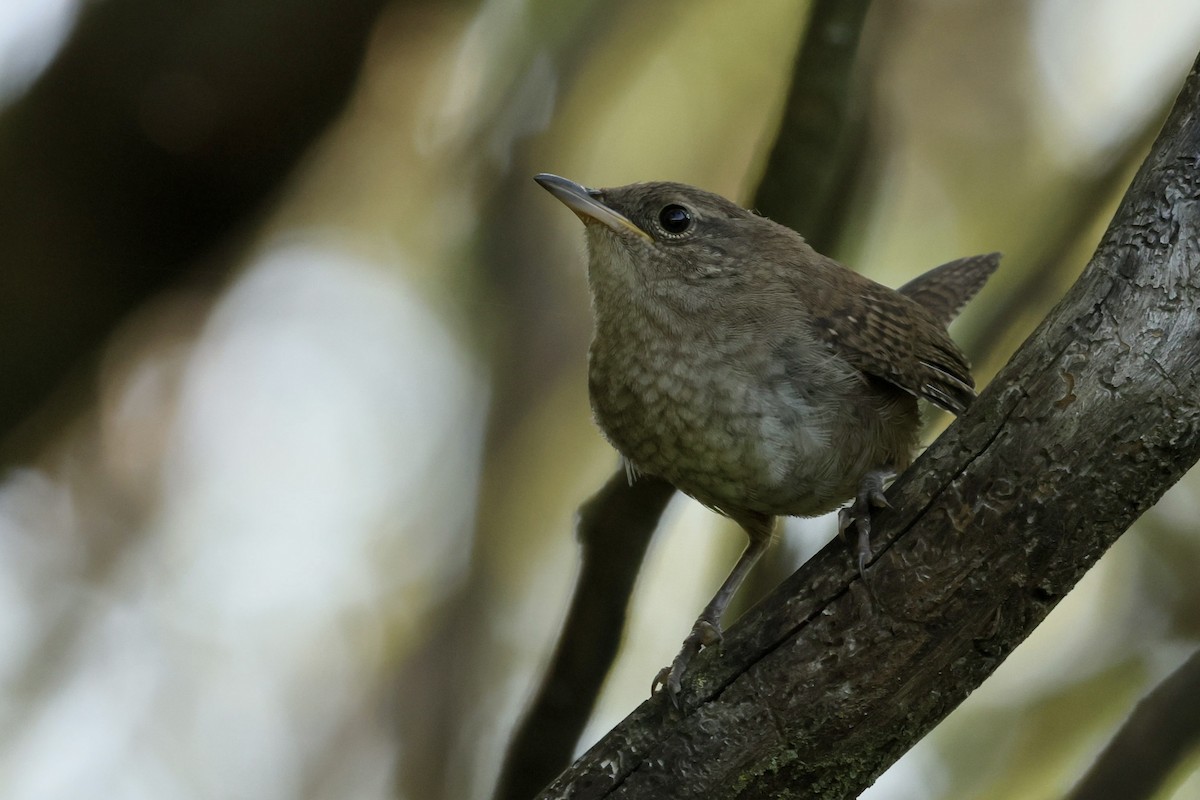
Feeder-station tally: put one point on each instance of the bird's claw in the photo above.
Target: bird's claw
(858, 515)
(668, 679)
(705, 633)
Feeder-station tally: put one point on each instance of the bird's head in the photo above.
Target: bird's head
(673, 243)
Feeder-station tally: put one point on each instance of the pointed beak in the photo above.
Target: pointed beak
(586, 204)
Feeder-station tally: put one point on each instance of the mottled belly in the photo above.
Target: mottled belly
(735, 446)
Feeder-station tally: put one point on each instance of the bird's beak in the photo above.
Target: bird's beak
(586, 204)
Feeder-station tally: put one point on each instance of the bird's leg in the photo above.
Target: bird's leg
(707, 629)
(858, 514)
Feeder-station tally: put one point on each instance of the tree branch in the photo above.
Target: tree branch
(820, 688)
(1162, 730)
(155, 137)
(803, 185)
(614, 530)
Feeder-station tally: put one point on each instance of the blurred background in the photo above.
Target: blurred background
(294, 417)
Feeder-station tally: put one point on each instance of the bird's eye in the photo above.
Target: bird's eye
(675, 218)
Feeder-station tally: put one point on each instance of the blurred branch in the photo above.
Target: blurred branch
(803, 185)
(820, 688)
(160, 131)
(805, 154)
(614, 529)
(1161, 732)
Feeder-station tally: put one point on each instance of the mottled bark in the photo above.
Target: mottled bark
(823, 685)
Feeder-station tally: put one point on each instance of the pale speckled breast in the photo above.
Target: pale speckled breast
(739, 427)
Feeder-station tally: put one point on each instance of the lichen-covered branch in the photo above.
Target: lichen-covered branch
(824, 684)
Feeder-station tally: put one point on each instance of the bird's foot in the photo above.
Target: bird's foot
(858, 514)
(705, 633)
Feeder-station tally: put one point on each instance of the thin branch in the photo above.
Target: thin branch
(803, 183)
(614, 530)
(824, 685)
(1160, 733)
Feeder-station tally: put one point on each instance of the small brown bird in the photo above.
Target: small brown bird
(753, 373)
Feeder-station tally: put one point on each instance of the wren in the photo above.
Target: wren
(754, 374)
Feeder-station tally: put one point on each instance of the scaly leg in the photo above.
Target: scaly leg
(707, 630)
(858, 514)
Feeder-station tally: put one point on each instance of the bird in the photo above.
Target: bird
(752, 373)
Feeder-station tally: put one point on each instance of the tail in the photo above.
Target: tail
(944, 290)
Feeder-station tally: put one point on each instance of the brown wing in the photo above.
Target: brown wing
(944, 290)
(883, 333)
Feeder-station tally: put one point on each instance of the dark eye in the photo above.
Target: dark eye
(675, 219)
